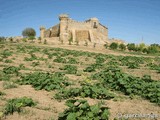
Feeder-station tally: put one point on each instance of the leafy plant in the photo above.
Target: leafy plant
(33, 57)
(122, 46)
(8, 61)
(16, 105)
(89, 69)
(6, 53)
(71, 60)
(115, 79)
(92, 91)
(47, 81)
(70, 69)
(133, 65)
(60, 60)
(11, 70)
(81, 110)
(34, 64)
(113, 46)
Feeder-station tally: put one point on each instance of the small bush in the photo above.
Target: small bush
(2, 39)
(113, 46)
(16, 105)
(11, 70)
(81, 110)
(6, 53)
(8, 61)
(70, 69)
(122, 47)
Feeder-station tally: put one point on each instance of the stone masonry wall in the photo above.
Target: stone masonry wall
(82, 35)
(55, 31)
(78, 25)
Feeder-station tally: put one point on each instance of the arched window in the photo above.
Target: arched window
(95, 25)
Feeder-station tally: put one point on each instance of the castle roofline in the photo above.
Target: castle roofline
(94, 18)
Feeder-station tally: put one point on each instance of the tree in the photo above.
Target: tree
(113, 46)
(29, 32)
(131, 46)
(141, 46)
(153, 48)
(122, 46)
(2, 39)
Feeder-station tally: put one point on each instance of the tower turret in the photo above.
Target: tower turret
(63, 26)
(42, 30)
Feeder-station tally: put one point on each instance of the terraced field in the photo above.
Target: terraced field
(51, 83)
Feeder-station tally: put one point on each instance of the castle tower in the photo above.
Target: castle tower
(63, 26)
(42, 30)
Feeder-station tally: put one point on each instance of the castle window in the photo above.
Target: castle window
(95, 25)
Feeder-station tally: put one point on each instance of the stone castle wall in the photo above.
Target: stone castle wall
(52, 32)
(72, 24)
(90, 30)
(82, 35)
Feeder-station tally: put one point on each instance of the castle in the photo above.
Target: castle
(90, 30)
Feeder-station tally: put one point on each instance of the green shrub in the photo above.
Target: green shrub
(24, 39)
(131, 46)
(60, 60)
(113, 46)
(33, 57)
(115, 79)
(81, 110)
(8, 61)
(34, 64)
(71, 60)
(47, 81)
(6, 53)
(16, 105)
(21, 66)
(122, 46)
(89, 69)
(70, 69)
(2, 39)
(93, 91)
(153, 48)
(133, 65)
(31, 38)
(11, 70)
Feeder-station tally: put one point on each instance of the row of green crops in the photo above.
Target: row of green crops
(16, 105)
(69, 69)
(97, 91)
(81, 110)
(47, 81)
(115, 79)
